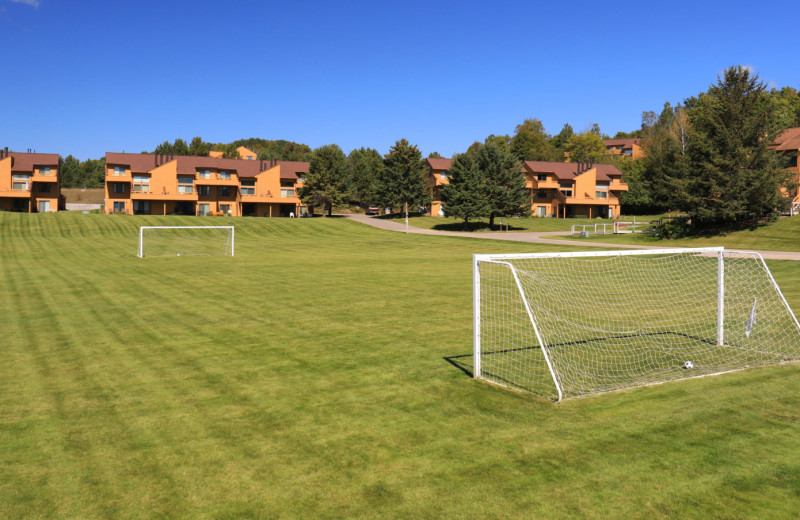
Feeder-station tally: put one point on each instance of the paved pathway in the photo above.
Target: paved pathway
(537, 237)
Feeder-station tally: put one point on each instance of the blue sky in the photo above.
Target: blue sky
(87, 77)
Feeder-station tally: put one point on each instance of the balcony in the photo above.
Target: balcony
(215, 179)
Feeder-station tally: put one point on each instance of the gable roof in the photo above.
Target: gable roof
(625, 143)
(439, 163)
(27, 162)
(189, 164)
(570, 170)
(789, 139)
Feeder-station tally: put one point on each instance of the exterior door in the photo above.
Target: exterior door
(44, 206)
(541, 211)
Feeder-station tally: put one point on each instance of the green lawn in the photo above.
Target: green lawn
(316, 375)
(515, 224)
(783, 235)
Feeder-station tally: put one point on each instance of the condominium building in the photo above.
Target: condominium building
(30, 182)
(631, 148)
(145, 184)
(244, 153)
(788, 145)
(557, 189)
(571, 189)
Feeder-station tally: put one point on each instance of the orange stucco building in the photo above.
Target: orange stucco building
(156, 184)
(557, 189)
(30, 182)
(244, 153)
(788, 145)
(631, 148)
(571, 189)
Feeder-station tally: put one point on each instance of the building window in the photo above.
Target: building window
(248, 187)
(141, 183)
(541, 194)
(541, 177)
(601, 195)
(21, 204)
(119, 170)
(119, 207)
(20, 181)
(445, 176)
(225, 176)
(203, 209)
(119, 187)
(287, 193)
(204, 190)
(204, 174)
(601, 186)
(141, 207)
(224, 191)
(225, 209)
(44, 170)
(44, 187)
(185, 184)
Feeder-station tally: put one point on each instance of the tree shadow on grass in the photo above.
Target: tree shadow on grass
(475, 226)
(462, 362)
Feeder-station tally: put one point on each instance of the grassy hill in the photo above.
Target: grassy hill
(783, 235)
(310, 376)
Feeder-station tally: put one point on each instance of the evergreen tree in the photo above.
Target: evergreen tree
(560, 140)
(736, 178)
(465, 196)
(323, 185)
(403, 177)
(199, 147)
(362, 181)
(505, 191)
(71, 172)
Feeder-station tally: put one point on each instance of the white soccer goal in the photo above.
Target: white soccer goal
(568, 325)
(186, 241)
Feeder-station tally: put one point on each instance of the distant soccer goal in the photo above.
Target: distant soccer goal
(186, 241)
(568, 325)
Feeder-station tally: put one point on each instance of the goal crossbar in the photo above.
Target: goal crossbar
(229, 247)
(660, 315)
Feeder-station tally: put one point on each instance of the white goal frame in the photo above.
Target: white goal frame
(140, 252)
(504, 260)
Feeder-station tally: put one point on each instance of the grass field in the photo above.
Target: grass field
(783, 235)
(320, 373)
(514, 224)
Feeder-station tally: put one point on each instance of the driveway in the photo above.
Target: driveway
(535, 237)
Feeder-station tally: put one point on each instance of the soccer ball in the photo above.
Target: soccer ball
(179, 254)
(688, 365)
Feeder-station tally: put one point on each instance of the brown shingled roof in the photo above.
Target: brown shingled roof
(188, 164)
(788, 140)
(138, 162)
(291, 169)
(569, 170)
(26, 162)
(439, 163)
(623, 142)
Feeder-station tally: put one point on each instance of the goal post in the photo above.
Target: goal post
(186, 241)
(568, 325)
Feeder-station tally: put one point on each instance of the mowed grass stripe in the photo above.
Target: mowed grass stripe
(311, 382)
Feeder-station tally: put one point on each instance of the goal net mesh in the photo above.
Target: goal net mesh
(618, 321)
(186, 241)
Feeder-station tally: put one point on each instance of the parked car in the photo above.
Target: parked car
(373, 210)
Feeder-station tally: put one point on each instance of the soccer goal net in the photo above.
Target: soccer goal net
(568, 325)
(185, 241)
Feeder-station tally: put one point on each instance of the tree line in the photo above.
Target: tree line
(709, 156)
